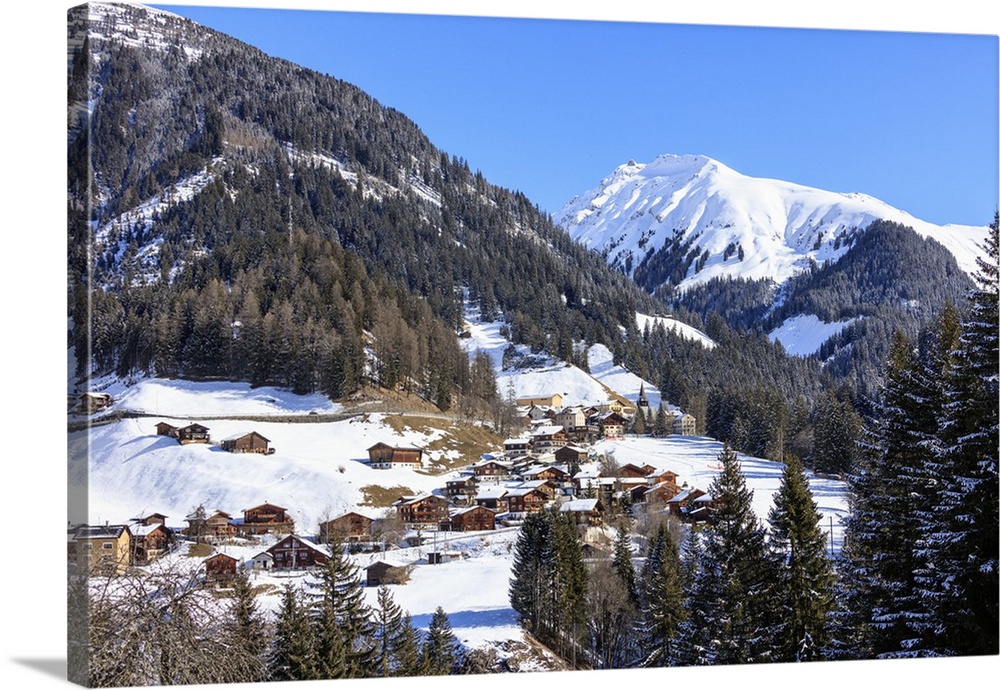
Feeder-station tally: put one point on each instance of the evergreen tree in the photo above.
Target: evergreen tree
(805, 574)
(621, 559)
(570, 587)
(249, 628)
(389, 634)
(661, 597)
(533, 571)
(731, 598)
(293, 656)
(344, 628)
(408, 662)
(880, 560)
(441, 653)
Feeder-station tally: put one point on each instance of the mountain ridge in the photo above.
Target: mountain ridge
(730, 224)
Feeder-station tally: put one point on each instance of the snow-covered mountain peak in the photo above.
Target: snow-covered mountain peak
(685, 219)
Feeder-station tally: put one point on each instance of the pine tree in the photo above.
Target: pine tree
(570, 587)
(621, 559)
(389, 634)
(731, 598)
(248, 628)
(533, 571)
(441, 653)
(661, 597)
(344, 629)
(293, 656)
(880, 558)
(805, 574)
(408, 662)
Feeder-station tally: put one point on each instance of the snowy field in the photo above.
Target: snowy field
(317, 473)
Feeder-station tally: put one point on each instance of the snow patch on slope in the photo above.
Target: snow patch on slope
(803, 335)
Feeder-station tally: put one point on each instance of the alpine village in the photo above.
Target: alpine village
(340, 407)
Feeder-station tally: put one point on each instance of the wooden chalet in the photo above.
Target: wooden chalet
(427, 510)
(526, 500)
(612, 425)
(678, 505)
(266, 518)
(631, 470)
(491, 469)
(166, 429)
(665, 476)
(103, 549)
(220, 525)
(473, 519)
(152, 519)
(149, 542)
(351, 527)
(551, 473)
(584, 511)
(548, 438)
(294, 553)
(493, 497)
(386, 573)
(250, 442)
(220, 569)
(516, 447)
(382, 456)
(91, 402)
(571, 455)
(462, 489)
(193, 433)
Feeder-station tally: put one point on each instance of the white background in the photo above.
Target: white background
(33, 329)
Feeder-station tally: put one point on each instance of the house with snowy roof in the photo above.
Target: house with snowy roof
(428, 510)
(548, 438)
(584, 511)
(293, 552)
(475, 518)
(103, 549)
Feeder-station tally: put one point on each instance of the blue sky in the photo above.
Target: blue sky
(550, 107)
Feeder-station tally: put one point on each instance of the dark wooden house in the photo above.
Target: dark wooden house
(427, 510)
(385, 573)
(350, 527)
(631, 470)
(165, 429)
(193, 433)
(491, 469)
(295, 553)
(266, 518)
(473, 519)
(571, 455)
(151, 541)
(529, 500)
(220, 569)
(250, 442)
(461, 490)
(382, 456)
(91, 402)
